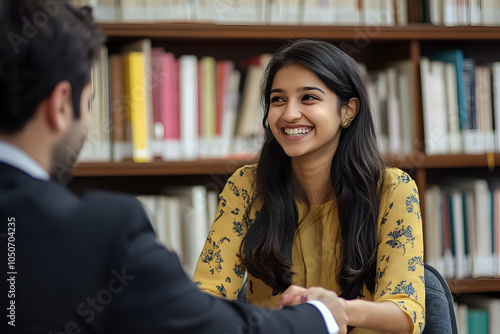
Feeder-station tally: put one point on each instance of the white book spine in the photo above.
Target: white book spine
(436, 12)
(394, 122)
(458, 231)
(189, 106)
(483, 261)
(434, 106)
(450, 13)
(433, 232)
(452, 109)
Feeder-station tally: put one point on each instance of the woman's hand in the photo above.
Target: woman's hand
(295, 295)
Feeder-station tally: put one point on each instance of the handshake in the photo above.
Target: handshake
(295, 295)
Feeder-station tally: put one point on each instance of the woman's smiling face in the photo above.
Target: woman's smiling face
(303, 113)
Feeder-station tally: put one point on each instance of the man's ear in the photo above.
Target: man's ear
(350, 110)
(60, 112)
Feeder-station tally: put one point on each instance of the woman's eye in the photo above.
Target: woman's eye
(276, 99)
(309, 97)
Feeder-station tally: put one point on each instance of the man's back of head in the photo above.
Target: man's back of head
(43, 42)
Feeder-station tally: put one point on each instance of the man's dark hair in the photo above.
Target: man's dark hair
(42, 43)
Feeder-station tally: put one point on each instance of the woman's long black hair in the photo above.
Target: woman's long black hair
(356, 169)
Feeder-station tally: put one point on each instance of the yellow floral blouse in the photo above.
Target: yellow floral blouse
(400, 271)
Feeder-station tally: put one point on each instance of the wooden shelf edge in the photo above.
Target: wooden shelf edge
(228, 166)
(196, 31)
(420, 160)
(474, 285)
(162, 168)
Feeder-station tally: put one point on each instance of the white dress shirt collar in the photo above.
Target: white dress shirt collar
(15, 157)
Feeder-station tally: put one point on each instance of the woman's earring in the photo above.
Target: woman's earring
(345, 122)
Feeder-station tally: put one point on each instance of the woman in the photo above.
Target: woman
(320, 208)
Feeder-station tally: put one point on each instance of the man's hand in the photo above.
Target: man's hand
(295, 295)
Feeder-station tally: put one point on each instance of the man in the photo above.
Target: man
(91, 264)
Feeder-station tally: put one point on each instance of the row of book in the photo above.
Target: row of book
(309, 12)
(181, 218)
(392, 95)
(461, 12)
(462, 236)
(149, 104)
(461, 104)
(478, 314)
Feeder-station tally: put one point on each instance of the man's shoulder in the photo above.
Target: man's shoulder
(111, 206)
(92, 207)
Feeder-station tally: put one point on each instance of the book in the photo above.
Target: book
(194, 225)
(434, 232)
(434, 106)
(479, 224)
(401, 12)
(450, 12)
(394, 112)
(348, 12)
(495, 83)
(407, 104)
(169, 223)
(135, 88)
(436, 12)
(456, 58)
(97, 147)
(285, 11)
(371, 13)
(207, 104)
(473, 138)
(319, 12)
(477, 321)
(249, 132)
(387, 13)
(137, 61)
(188, 83)
(452, 109)
(229, 125)
(448, 241)
(461, 316)
(495, 204)
(166, 97)
(457, 221)
(104, 10)
(486, 310)
(490, 13)
(226, 107)
(484, 107)
(122, 131)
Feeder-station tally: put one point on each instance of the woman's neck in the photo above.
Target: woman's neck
(314, 179)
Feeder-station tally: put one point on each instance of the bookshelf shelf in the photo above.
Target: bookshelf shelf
(228, 166)
(420, 160)
(162, 168)
(474, 285)
(209, 31)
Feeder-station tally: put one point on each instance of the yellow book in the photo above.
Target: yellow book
(136, 92)
(209, 107)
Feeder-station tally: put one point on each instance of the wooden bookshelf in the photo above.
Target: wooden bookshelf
(162, 168)
(228, 166)
(474, 285)
(197, 31)
(373, 45)
(421, 160)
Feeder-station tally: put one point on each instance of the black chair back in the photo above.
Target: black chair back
(439, 311)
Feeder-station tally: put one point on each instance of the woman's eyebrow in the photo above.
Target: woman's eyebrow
(300, 89)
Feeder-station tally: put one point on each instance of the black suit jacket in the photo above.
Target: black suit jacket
(91, 264)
